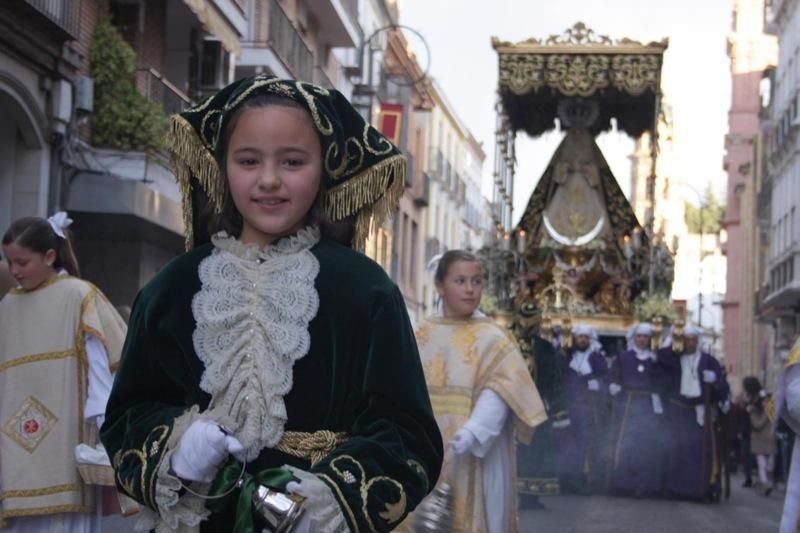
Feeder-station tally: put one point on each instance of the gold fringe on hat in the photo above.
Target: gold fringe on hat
(370, 195)
(190, 157)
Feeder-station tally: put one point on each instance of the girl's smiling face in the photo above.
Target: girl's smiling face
(274, 168)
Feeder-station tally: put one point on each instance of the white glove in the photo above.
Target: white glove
(201, 449)
(614, 389)
(594, 385)
(561, 424)
(463, 441)
(322, 512)
(709, 376)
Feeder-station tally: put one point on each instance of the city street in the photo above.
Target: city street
(746, 511)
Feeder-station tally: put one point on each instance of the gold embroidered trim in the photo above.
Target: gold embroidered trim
(393, 512)
(83, 358)
(311, 446)
(342, 500)
(451, 404)
(38, 511)
(141, 455)
(35, 358)
(46, 491)
(43, 417)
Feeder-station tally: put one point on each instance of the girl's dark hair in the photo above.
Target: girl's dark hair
(230, 220)
(36, 234)
(450, 257)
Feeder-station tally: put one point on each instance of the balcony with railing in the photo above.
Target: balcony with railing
(160, 90)
(338, 21)
(288, 44)
(63, 15)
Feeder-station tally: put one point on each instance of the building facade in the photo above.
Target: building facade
(779, 196)
(751, 52)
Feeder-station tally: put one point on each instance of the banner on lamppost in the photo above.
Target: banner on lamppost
(389, 121)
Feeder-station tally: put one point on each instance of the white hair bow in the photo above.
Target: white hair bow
(59, 222)
(433, 264)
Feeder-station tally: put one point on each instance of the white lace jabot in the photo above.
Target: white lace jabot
(252, 314)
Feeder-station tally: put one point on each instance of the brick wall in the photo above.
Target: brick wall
(91, 11)
(151, 45)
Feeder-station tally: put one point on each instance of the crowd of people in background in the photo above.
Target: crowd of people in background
(654, 420)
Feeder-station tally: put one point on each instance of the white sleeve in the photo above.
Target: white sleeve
(793, 392)
(100, 381)
(487, 420)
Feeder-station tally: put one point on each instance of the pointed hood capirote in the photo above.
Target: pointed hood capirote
(363, 172)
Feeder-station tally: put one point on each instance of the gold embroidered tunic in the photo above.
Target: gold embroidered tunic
(462, 358)
(43, 387)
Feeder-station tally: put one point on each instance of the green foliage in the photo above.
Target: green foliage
(646, 307)
(708, 217)
(123, 118)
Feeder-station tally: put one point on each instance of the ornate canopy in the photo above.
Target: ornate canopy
(623, 77)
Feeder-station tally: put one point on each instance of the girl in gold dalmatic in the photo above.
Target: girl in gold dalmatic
(482, 396)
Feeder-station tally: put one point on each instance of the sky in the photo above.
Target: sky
(696, 73)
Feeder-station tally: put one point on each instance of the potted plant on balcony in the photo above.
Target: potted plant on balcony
(123, 118)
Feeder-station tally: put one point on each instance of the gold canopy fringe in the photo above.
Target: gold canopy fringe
(370, 195)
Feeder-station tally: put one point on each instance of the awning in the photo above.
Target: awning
(213, 22)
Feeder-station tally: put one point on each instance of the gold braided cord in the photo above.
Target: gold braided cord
(311, 446)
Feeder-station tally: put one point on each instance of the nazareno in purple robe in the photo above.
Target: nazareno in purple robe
(692, 468)
(580, 444)
(637, 453)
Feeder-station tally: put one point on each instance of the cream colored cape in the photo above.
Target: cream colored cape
(461, 358)
(43, 386)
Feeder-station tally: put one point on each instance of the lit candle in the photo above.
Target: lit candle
(626, 248)
(521, 241)
(506, 242)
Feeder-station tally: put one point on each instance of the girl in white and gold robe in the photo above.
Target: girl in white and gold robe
(482, 396)
(60, 341)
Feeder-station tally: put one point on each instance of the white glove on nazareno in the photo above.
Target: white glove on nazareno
(201, 450)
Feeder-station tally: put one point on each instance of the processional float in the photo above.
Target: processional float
(578, 254)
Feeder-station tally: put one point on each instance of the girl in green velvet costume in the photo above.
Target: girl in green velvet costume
(275, 345)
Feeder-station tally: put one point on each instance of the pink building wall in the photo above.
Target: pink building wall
(750, 52)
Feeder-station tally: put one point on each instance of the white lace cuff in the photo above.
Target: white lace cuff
(176, 513)
(322, 511)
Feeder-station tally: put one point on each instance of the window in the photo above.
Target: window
(125, 18)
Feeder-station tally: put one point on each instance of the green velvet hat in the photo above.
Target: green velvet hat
(363, 172)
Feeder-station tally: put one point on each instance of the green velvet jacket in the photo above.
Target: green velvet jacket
(362, 375)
